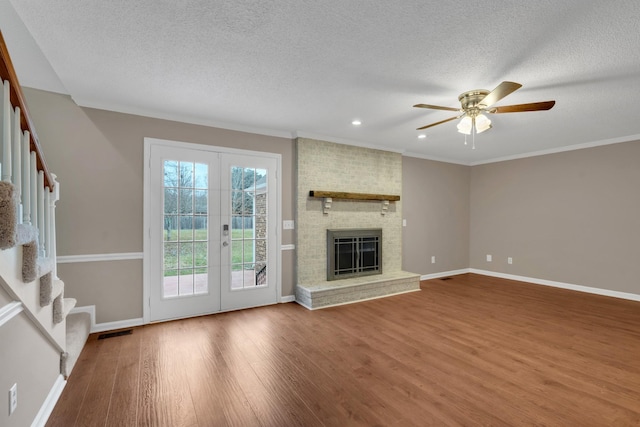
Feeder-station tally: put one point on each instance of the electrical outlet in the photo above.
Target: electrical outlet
(404, 222)
(13, 398)
(489, 258)
(433, 259)
(288, 224)
(509, 260)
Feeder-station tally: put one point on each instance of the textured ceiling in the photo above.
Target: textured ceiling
(308, 68)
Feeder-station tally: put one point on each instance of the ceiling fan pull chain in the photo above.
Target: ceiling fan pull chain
(473, 144)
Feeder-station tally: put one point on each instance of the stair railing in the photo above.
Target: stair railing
(22, 161)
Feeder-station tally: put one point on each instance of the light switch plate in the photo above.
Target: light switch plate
(288, 224)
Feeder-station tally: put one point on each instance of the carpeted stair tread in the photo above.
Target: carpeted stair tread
(7, 213)
(78, 329)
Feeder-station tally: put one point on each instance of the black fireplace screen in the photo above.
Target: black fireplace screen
(353, 252)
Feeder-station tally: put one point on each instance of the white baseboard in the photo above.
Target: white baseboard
(287, 298)
(120, 324)
(444, 274)
(570, 286)
(49, 403)
(107, 326)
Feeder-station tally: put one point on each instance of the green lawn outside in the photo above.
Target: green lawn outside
(192, 248)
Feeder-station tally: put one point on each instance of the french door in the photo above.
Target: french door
(212, 238)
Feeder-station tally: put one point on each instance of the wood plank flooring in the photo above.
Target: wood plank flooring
(472, 350)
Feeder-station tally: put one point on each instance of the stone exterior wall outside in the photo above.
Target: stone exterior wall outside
(260, 209)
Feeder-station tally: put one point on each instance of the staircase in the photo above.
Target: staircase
(40, 340)
(29, 279)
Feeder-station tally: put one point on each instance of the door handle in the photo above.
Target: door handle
(225, 243)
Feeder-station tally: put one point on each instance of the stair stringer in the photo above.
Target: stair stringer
(29, 295)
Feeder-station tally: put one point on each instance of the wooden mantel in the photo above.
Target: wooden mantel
(353, 196)
(328, 197)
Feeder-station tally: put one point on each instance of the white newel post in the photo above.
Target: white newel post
(6, 133)
(26, 178)
(55, 196)
(41, 230)
(17, 162)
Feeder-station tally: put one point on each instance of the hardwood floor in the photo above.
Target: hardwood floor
(472, 350)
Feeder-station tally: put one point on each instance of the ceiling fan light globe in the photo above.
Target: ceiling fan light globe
(482, 123)
(465, 126)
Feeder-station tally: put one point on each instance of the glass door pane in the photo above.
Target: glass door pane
(248, 227)
(186, 234)
(249, 257)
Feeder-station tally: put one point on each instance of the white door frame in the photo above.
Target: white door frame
(146, 263)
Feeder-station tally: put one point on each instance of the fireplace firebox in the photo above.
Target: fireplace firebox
(353, 252)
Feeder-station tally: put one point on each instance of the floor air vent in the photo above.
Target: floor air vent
(115, 334)
(445, 278)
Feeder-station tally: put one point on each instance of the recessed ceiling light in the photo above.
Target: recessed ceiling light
(422, 136)
(356, 122)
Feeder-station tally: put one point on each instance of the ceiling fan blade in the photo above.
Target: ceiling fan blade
(534, 106)
(503, 89)
(440, 122)
(436, 107)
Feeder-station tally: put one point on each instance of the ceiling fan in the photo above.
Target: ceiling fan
(476, 102)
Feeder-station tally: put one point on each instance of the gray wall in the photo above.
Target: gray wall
(98, 158)
(30, 361)
(435, 201)
(571, 217)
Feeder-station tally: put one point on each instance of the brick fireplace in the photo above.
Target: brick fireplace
(323, 165)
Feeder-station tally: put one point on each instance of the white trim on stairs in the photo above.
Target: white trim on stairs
(10, 311)
(49, 403)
